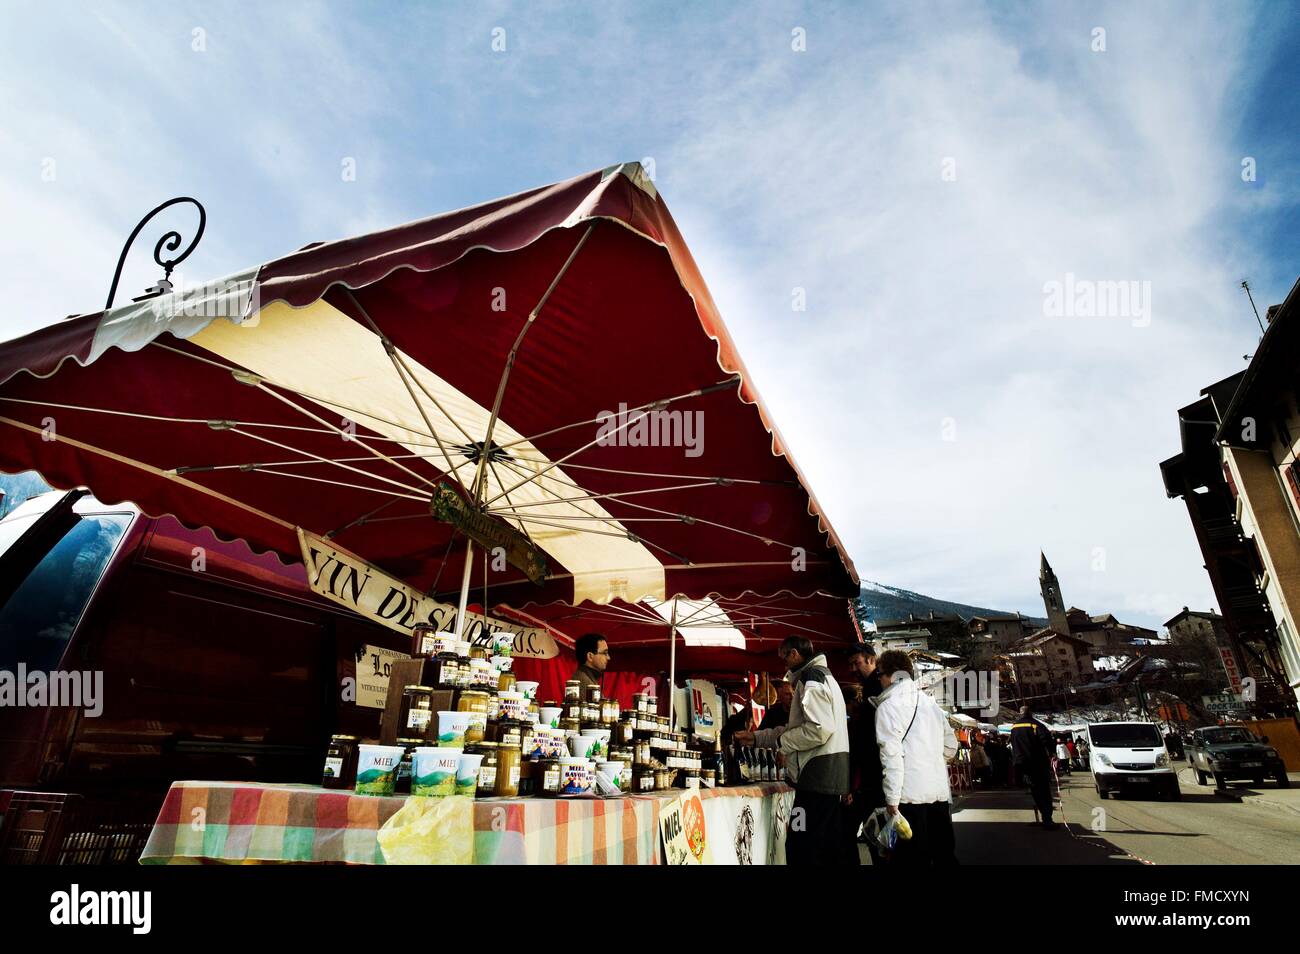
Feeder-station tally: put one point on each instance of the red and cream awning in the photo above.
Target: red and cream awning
(333, 389)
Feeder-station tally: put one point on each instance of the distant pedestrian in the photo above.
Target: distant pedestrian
(980, 764)
(1062, 757)
(1032, 749)
(1000, 761)
(916, 743)
(1070, 749)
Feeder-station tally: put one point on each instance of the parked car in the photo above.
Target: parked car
(217, 663)
(1130, 755)
(1230, 752)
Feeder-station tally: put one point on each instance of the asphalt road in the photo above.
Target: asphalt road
(1245, 825)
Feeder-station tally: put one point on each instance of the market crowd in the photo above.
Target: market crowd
(879, 746)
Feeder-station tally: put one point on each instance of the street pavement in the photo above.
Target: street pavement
(1244, 825)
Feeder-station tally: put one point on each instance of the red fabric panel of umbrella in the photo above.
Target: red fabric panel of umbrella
(336, 388)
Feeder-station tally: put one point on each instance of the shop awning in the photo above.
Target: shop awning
(335, 389)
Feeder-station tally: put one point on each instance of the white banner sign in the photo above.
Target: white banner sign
(346, 579)
(747, 830)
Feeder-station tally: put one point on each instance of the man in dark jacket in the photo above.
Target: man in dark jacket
(778, 714)
(1032, 749)
(592, 651)
(865, 772)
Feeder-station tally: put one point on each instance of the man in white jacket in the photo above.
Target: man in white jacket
(916, 743)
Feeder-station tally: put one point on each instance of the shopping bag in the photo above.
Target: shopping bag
(430, 831)
(887, 830)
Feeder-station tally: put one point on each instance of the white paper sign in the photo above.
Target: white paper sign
(372, 675)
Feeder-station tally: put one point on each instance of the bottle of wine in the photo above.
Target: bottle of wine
(769, 766)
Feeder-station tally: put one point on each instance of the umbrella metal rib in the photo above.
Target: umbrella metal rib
(402, 370)
(162, 418)
(349, 467)
(329, 535)
(510, 360)
(545, 489)
(682, 518)
(687, 518)
(350, 438)
(609, 496)
(354, 413)
(600, 439)
(657, 405)
(253, 465)
(626, 535)
(334, 483)
(722, 481)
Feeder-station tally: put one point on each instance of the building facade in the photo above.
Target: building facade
(1046, 664)
(1002, 631)
(1239, 476)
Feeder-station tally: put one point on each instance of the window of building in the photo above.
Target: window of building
(1293, 480)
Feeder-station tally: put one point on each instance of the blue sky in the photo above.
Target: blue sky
(948, 425)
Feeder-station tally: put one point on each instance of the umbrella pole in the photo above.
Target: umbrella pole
(672, 670)
(464, 590)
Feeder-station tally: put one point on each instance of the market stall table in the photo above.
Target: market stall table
(239, 822)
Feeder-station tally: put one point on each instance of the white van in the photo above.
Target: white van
(1130, 754)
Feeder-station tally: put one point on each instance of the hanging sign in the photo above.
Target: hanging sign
(489, 532)
(346, 579)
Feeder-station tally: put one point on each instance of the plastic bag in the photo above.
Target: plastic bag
(887, 830)
(430, 831)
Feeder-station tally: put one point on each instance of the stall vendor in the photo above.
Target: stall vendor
(593, 656)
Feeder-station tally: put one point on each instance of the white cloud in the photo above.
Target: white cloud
(819, 170)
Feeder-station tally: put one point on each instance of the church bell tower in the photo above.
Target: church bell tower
(1052, 599)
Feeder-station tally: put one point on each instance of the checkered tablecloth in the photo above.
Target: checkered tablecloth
(254, 822)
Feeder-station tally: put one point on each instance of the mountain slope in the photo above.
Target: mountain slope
(879, 602)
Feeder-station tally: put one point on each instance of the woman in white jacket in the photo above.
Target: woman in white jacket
(916, 743)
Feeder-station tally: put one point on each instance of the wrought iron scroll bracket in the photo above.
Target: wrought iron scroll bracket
(170, 241)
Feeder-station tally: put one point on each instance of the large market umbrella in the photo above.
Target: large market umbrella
(342, 388)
